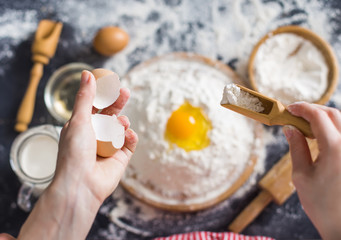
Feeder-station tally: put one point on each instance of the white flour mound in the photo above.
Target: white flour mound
(234, 95)
(174, 175)
(289, 77)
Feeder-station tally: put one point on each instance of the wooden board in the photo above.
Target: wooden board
(179, 207)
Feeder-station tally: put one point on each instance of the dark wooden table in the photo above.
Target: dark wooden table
(283, 222)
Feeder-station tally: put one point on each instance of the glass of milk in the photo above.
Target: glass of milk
(33, 158)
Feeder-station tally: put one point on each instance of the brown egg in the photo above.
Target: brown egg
(110, 40)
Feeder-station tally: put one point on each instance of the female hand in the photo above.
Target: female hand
(318, 183)
(82, 180)
(77, 160)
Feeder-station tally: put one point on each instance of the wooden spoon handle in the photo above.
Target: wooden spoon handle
(26, 109)
(286, 118)
(250, 212)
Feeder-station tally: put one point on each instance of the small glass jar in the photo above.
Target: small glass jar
(61, 89)
(33, 159)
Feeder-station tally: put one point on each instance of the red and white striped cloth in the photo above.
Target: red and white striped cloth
(212, 236)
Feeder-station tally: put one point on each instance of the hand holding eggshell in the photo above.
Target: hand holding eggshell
(82, 177)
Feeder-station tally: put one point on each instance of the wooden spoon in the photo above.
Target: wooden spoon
(43, 48)
(274, 113)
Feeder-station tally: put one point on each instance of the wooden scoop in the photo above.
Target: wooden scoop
(276, 186)
(274, 113)
(43, 48)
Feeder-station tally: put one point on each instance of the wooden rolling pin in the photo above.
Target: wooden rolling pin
(276, 186)
(43, 48)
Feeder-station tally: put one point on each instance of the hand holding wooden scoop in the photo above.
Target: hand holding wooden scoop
(274, 113)
(43, 48)
(276, 186)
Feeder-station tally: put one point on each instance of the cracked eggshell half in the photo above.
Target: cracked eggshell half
(109, 132)
(107, 87)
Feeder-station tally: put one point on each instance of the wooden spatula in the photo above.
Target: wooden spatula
(43, 48)
(276, 186)
(274, 113)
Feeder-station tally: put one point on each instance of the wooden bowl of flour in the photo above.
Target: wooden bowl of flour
(149, 195)
(324, 48)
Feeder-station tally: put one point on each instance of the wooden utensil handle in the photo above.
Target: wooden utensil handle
(286, 118)
(250, 212)
(26, 109)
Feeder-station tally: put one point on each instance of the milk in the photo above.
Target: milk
(38, 156)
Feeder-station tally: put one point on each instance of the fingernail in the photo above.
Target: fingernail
(130, 133)
(291, 108)
(128, 90)
(85, 77)
(299, 102)
(289, 131)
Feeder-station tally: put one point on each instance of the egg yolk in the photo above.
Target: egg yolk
(187, 127)
(181, 125)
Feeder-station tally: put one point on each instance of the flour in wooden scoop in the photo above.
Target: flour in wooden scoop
(234, 95)
(164, 172)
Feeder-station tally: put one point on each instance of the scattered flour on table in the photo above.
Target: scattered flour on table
(254, 18)
(290, 68)
(173, 175)
(227, 29)
(16, 26)
(232, 94)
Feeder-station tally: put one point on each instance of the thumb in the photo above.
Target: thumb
(299, 150)
(85, 97)
(5, 236)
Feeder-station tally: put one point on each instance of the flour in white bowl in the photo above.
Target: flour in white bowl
(290, 68)
(173, 175)
(234, 95)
